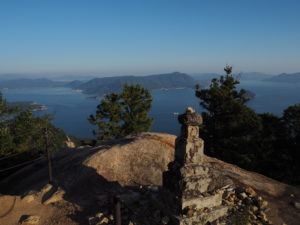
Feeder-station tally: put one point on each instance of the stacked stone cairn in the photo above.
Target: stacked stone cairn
(190, 179)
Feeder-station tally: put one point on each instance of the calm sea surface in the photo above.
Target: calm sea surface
(71, 109)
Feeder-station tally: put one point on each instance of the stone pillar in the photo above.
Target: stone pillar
(189, 178)
(189, 147)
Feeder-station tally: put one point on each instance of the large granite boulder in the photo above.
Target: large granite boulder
(138, 160)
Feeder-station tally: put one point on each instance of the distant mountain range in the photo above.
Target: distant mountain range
(104, 85)
(284, 77)
(100, 86)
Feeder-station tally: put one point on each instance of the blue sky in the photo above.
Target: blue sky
(109, 37)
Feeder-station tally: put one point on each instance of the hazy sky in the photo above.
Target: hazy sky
(111, 37)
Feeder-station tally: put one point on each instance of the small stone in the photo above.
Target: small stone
(250, 192)
(226, 186)
(243, 195)
(228, 194)
(253, 208)
(29, 220)
(165, 220)
(229, 203)
(29, 198)
(296, 205)
(231, 198)
(111, 217)
(99, 215)
(130, 223)
(264, 217)
(104, 221)
(292, 195)
(46, 188)
(259, 198)
(264, 204)
(93, 220)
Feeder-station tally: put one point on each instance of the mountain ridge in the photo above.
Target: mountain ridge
(105, 85)
(286, 77)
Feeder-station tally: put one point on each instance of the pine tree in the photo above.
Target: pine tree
(125, 113)
(229, 125)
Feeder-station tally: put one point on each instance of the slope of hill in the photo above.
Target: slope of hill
(86, 178)
(284, 77)
(104, 85)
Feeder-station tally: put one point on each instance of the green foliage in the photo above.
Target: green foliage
(121, 114)
(233, 132)
(5, 110)
(291, 117)
(22, 135)
(229, 125)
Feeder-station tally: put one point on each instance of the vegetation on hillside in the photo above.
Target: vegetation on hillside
(106, 85)
(23, 137)
(124, 113)
(233, 132)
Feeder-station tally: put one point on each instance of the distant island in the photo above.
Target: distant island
(100, 86)
(284, 77)
(28, 105)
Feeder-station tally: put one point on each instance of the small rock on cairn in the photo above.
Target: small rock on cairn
(189, 178)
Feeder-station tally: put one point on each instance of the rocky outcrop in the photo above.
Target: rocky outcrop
(135, 161)
(140, 161)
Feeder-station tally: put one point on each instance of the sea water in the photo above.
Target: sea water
(71, 109)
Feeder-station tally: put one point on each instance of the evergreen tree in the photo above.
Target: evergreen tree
(22, 136)
(136, 102)
(229, 127)
(121, 114)
(291, 120)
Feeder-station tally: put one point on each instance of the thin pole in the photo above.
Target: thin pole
(117, 215)
(50, 175)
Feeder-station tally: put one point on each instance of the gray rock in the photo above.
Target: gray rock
(46, 188)
(203, 202)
